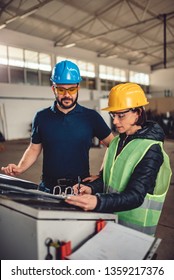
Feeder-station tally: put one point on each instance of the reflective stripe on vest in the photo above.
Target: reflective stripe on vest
(151, 204)
(117, 173)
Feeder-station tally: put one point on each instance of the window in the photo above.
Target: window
(16, 75)
(45, 78)
(111, 73)
(32, 77)
(20, 61)
(139, 78)
(83, 83)
(3, 55)
(91, 83)
(3, 74)
(106, 85)
(86, 69)
(15, 57)
(31, 59)
(44, 62)
(19, 65)
(119, 75)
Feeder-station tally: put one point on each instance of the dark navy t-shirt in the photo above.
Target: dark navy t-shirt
(66, 139)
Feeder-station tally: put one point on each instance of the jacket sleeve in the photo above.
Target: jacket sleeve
(96, 186)
(141, 182)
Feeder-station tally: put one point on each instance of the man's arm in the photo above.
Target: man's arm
(94, 177)
(28, 159)
(106, 141)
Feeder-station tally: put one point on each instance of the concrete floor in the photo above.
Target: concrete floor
(14, 150)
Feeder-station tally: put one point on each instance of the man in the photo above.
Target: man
(137, 172)
(64, 132)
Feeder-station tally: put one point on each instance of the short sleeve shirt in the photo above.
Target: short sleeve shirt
(66, 139)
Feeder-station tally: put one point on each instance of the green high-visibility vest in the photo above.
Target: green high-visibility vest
(117, 172)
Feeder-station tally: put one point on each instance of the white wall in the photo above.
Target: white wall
(102, 104)
(19, 105)
(162, 80)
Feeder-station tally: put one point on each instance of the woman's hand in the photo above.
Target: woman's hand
(86, 202)
(83, 189)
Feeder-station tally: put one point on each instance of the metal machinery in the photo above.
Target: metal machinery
(33, 224)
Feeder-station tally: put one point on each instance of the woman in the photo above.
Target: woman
(136, 173)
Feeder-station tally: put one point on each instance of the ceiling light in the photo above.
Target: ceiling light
(102, 55)
(112, 56)
(11, 19)
(59, 44)
(2, 26)
(69, 45)
(28, 13)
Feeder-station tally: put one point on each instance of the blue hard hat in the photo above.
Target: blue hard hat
(65, 72)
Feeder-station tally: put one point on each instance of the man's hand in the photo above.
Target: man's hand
(11, 169)
(91, 178)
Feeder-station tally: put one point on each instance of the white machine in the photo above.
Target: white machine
(30, 218)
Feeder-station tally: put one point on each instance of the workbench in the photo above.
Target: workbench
(29, 218)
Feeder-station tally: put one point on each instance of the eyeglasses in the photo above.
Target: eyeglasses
(120, 115)
(62, 90)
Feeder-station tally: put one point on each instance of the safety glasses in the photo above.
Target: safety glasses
(62, 90)
(120, 115)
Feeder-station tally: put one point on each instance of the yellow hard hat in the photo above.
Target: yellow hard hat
(125, 96)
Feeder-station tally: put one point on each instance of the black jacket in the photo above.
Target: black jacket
(143, 178)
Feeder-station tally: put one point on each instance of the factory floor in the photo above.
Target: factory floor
(13, 150)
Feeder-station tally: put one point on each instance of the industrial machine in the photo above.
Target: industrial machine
(37, 225)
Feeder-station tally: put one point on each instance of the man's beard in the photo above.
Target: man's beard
(66, 106)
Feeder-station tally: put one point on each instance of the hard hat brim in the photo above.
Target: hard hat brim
(108, 109)
(113, 109)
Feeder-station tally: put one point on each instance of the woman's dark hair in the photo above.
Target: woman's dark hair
(142, 115)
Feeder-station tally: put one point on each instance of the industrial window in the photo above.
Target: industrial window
(16, 75)
(32, 77)
(45, 78)
(20, 61)
(110, 76)
(83, 82)
(41, 62)
(111, 73)
(35, 60)
(86, 69)
(106, 85)
(44, 62)
(31, 59)
(24, 58)
(3, 55)
(38, 66)
(91, 83)
(3, 74)
(15, 57)
(139, 78)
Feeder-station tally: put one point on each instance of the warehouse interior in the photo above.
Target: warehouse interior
(112, 42)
